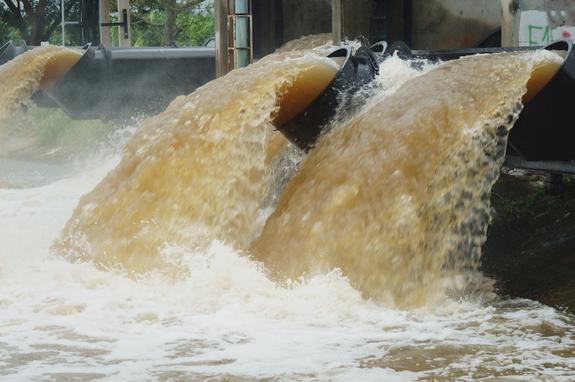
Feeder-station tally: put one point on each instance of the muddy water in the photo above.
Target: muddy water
(197, 172)
(39, 68)
(541, 74)
(225, 318)
(398, 198)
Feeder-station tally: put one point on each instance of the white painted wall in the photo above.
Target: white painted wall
(538, 22)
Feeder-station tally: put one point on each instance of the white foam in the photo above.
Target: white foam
(227, 318)
(394, 72)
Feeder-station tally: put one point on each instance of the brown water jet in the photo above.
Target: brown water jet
(35, 69)
(398, 197)
(198, 171)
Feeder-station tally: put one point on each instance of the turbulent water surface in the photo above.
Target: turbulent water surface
(168, 269)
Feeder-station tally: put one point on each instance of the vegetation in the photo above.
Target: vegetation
(52, 127)
(154, 22)
(172, 22)
(31, 20)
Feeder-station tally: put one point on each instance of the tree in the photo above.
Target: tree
(174, 8)
(172, 22)
(35, 20)
(7, 31)
(154, 22)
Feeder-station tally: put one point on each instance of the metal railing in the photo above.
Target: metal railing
(240, 33)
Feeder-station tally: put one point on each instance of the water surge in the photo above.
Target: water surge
(366, 268)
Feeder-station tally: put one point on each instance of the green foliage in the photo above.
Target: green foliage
(52, 127)
(147, 27)
(55, 127)
(32, 20)
(7, 30)
(196, 27)
(193, 25)
(194, 22)
(519, 207)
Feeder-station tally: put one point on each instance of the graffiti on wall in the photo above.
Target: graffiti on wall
(542, 27)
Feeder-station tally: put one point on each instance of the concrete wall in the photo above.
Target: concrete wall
(447, 24)
(275, 22)
(267, 24)
(557, 22)
(436, 24)
(352, 20)
(303, 17)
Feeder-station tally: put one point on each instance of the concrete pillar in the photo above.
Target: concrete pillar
(305, 17)
(350, 19)
(124, 34)
(221, 33)
(400, 21)
(268, 26)
(104, 18)
(337, 21)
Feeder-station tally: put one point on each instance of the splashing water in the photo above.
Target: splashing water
(398, 197)
(198, 171)
(224, 318)
(228, 321)
(36, 69)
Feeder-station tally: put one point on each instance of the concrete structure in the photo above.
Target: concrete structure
(124, 33)
(371, 20)
(450, 24)
(305, 17)
(275, 22)
(423, 24)
(537, 22)
(350, 19)
(104, 13)
(103, 25)
(221, 34)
